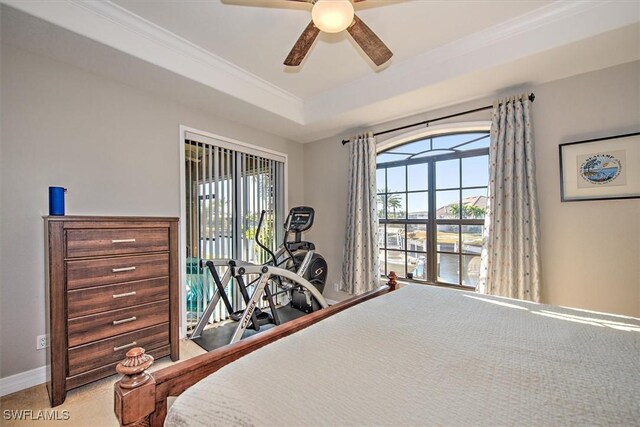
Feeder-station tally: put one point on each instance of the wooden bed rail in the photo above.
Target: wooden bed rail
(141, 397)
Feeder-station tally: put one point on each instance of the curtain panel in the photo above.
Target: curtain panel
(360, 271)
(511, 255)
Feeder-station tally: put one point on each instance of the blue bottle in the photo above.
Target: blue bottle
(56, 200)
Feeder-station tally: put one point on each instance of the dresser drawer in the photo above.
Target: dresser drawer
(101, 270)
(87, 301)
(94, 355)
(107, 271)
(104, 242)
(83, 330)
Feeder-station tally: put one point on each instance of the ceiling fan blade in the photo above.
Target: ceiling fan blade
(302, 46)
(369, 42)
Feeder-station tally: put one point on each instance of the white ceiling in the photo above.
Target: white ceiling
(226, 56)
(257, 39)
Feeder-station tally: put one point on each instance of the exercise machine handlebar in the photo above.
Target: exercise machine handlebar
(257, 238)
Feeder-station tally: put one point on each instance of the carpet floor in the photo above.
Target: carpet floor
(91, 404)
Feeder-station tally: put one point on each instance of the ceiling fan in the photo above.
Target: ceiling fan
(333, 16)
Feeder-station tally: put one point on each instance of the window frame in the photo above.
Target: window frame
(431, 222)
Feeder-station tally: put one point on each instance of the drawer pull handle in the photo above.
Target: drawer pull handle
(131, 344)
(119, 270)
(130, 319)
(123, 241)
(126, 294)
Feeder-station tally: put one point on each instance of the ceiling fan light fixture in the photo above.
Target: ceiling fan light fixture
(332, 16)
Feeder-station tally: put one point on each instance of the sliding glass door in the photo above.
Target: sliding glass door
(227, 187)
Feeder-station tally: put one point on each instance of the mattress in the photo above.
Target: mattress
(432, 356)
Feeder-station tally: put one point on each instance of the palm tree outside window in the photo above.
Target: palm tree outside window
(432, 198)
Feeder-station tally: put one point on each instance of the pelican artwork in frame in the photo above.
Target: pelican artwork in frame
(600, 169)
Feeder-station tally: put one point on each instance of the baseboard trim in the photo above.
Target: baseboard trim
(23, 380)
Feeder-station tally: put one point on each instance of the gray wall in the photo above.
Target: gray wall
(601, 275)
(116, 150)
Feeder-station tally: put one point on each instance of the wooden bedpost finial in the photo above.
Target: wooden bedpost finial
(134, 368)
(135, 392)
(393, 284)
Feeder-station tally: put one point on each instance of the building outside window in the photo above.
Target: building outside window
(432, 198)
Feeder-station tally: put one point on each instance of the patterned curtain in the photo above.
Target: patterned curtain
(510, 255)
(360, 264)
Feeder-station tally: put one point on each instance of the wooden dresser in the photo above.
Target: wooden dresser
(112, 285)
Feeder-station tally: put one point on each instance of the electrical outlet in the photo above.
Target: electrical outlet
(336, 287)
(41, 342)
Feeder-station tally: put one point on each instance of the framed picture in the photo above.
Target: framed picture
(600, 169)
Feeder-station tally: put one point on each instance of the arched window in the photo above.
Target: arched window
(432, 198)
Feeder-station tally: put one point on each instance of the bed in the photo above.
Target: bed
(418, 356)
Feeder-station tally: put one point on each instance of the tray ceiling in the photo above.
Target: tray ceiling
(231, 51)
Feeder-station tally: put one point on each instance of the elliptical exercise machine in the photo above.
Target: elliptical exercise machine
(299, 256)
(295, 268)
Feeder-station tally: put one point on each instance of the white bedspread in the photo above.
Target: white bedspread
(432, 356)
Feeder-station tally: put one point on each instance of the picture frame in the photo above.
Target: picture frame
(600, 169)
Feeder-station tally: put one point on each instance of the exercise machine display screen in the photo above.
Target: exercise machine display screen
(301, 218)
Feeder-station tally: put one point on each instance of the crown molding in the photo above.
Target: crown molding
(551, 26)
(114, 26)
(554, 25)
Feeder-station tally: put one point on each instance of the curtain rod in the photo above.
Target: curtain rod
(531, 97)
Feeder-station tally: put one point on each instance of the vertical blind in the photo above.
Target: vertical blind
(227, 187)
